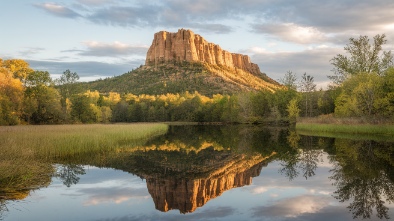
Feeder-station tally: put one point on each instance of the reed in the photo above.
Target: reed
(359, 129)
(53, 140)
(28, 152)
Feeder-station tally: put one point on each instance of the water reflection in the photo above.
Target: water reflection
(191, 165)
(188, 194)
(69, 173)
(302, 156)
(185, 172)
(364, 175)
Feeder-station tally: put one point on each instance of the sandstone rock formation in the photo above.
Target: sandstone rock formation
(183, 172)
(187, 46)
(187, 195)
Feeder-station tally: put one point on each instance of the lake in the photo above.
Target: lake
(237, 172)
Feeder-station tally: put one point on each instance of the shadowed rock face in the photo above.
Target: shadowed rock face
(187, 46)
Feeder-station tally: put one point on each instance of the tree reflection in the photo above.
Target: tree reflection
(362, 170)
(302, 156)
(362, 175)
(69, 174)
(289, 166)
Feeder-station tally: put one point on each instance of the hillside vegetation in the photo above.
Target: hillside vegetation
(181, 77)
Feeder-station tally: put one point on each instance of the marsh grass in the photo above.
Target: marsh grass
(359, 130)
(28, 152)
(54, 140)
(349, 136)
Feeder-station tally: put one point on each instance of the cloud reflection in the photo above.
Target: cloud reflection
(114, 195)
(293, 207)
(208, 214)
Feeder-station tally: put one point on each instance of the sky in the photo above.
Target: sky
(105, 38)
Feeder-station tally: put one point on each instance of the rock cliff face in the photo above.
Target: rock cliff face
(187, 46)
(187, 195)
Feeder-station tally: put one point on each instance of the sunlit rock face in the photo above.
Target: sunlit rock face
(184, 45)
(187, 195)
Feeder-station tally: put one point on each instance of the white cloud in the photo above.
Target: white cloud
(291, 32)
(388, 26)
(322, 46)
(31, 51)
(58, 10)
(257, 50)
(116, 49)
(272, 44)
(315, 62)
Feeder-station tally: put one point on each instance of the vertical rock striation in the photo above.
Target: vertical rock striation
(184, 45)
(187, 194)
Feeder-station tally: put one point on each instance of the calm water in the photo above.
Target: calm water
(218, 173)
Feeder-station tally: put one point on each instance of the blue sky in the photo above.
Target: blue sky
(104, 38)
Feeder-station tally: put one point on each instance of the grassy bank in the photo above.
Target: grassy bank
(359, 129)
(28, 152)
(50, 140)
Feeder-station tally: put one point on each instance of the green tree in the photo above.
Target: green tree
(82, 110)
(66, 84)
(231, 109)
(260, 104)
(214, 111)
(307, 86)
(281, 99)
(385, 104)
(326, 100)
(289, 80)
(38, 79)
(135, 113)
(293, 110)
(361, 96)
(42, 99)
(120, 112)
(106, 114)
(363, 58)
(246, 107)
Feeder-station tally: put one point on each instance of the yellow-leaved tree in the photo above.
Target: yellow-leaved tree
(11, 90)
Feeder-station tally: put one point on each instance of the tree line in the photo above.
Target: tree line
(362, 86)
(33, 97)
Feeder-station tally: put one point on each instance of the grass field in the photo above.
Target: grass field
(28, 152)
(69, 139)
(356, 129)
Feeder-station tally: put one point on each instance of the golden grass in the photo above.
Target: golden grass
(355, 129)
(28, 152)
(50, 140)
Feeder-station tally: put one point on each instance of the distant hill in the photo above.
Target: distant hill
(184, 61)
(177, 78)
